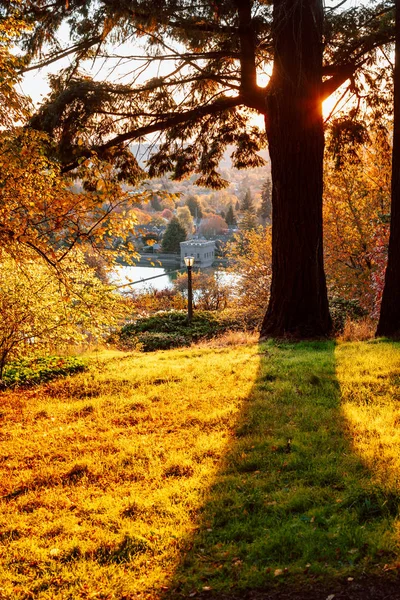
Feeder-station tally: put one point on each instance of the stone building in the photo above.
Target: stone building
(202, 250)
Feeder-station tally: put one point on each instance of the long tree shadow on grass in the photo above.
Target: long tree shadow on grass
(292, 505)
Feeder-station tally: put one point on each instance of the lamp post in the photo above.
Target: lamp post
(189, 262)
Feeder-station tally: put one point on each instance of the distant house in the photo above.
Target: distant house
(202, 250)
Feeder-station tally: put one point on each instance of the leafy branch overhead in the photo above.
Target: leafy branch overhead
(44, 212)
(190, 75)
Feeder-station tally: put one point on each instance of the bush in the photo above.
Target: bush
(172, 330)
(38, 370)
(153, 301)
(343, 310)
(244, 318)
(358, 331)
(212, 293)
(44, 308)
(150, 341)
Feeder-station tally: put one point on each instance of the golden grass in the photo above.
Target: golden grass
(369, 377)
(230, 338)
(112, 465)
(231, 467)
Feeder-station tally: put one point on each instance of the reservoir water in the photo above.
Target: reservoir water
(137, 275)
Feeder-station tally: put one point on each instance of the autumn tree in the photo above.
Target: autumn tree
(167, 214)
(41, 312)
(193, 203)
(205, 101)
(248, 221)
(13, 105)
(356, 210)
(185, 219)
(213, 226)
(40, 210)
(250, 258)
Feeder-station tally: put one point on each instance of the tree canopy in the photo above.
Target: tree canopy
(211, 56)
(194, 75)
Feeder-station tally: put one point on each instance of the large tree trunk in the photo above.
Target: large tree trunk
(389, 319)
(298, 304)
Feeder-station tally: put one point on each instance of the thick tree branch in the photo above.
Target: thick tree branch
(224, 79)
(247, 46)
(82, 46)
(166, 122)
(176, 56)
(340, 73)
(339, 76)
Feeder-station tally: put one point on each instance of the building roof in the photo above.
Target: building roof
(198, 243)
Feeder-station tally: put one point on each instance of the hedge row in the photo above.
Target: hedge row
(171, 329)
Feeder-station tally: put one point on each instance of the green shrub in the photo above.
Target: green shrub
(243, 318)
(342, 310)
(30, 372)
(150, 341)
(172, 330)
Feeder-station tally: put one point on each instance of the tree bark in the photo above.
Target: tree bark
(389, 319)
(298, 306)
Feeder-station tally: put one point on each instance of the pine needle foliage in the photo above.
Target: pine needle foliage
(205, 94)
(173, 236)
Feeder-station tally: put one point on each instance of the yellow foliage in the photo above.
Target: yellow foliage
(13, 106)
(250, 256)
(356, 202)
(43, 211)
(41, 311)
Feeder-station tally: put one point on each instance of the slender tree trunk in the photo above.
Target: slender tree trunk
(298, 304)
(3, 358)
(389, 319)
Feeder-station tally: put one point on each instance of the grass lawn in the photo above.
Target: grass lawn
(225, 468)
